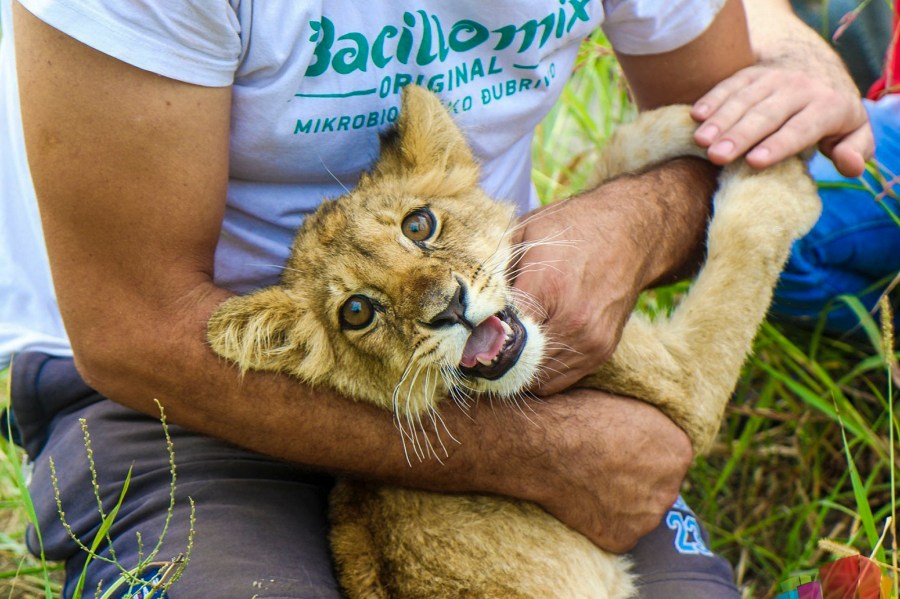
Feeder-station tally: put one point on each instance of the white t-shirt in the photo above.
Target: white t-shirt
(314, 82)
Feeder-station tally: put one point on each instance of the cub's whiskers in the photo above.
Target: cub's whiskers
(457, 386)
(333, 176)
(520, 399)
(516, 224)
(524, 299)
(552, 344)
(508, 262)
(395, 405)
(413, 431)
(431, 388)
(514, 273)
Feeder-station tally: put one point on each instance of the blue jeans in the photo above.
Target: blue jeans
(854, 248)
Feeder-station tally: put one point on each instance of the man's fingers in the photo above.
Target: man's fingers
(770, 114)
(713, 100)
(851, 153)
(720, 125)
(792, 138)
(557, 381)
(774, 121)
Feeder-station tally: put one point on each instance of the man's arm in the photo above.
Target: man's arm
(628, 234)
(784, 93)
(131, 172)
(637, 231)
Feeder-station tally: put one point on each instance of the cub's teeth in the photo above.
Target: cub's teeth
(484, 361)
(506, 328)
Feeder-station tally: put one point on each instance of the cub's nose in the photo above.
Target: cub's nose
(455, 312)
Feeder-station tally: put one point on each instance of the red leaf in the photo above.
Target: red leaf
(854, 577)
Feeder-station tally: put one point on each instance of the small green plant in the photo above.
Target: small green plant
(25, 577)
(130, 580)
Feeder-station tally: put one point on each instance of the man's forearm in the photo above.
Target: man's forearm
(564, 453)
(269, 413)
(663, 212)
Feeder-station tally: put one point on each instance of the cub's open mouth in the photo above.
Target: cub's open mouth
(494, 346)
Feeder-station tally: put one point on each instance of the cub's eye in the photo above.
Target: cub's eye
(357, 313)
(418, 225)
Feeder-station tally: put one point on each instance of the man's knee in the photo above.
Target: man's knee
(675, 561)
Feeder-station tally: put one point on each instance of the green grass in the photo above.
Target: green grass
(781, 477)
(807, 448)
(21, 575)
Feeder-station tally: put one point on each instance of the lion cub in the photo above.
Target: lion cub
(396, 294)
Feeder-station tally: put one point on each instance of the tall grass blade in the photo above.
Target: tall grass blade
(861, 495)
(13, 460)
(102, 535)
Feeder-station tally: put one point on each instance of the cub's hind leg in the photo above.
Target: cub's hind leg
(689, 363)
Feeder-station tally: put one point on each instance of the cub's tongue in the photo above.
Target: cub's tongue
(484, 343)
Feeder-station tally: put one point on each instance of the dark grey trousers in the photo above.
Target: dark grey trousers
(261, 524)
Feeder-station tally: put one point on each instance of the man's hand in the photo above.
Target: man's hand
(610, 467)
(584, 282)
(771, 113)
(596, 252)
(799, 94)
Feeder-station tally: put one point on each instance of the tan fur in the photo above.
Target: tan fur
(403, 544)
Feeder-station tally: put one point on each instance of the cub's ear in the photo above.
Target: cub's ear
(424, 140)
(259, 331)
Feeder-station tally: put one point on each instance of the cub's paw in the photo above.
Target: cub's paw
(782, 198)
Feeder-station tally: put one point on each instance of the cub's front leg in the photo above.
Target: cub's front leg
(688, 364)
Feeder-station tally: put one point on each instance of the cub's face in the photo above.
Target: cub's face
(396, 293)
